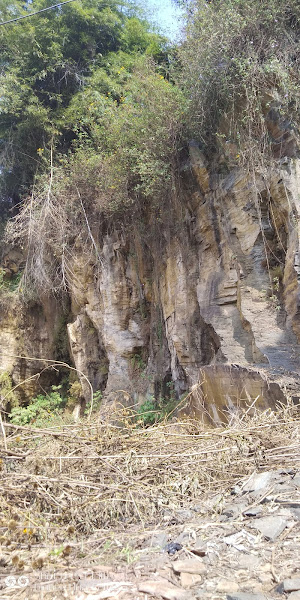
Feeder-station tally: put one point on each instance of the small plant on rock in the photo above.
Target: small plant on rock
(148, 413)
(97, 399)
(41, 409)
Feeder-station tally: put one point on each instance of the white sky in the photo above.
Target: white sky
(166, 15)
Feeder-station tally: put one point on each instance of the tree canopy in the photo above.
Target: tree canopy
(45, 61)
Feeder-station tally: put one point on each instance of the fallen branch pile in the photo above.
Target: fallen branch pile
(92, 476)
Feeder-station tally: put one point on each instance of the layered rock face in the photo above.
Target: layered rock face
(207, 299)
(28, 340)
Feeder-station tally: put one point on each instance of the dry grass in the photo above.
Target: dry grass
(94, 476)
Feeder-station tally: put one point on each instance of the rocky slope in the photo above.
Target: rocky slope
(207, 293)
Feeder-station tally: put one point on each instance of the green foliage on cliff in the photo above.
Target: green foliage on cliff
(91, 122)
(81, 84)
(125, 136)
(241, 64)
(41, 411)
(11, 285)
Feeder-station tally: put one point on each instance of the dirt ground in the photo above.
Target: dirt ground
(176, 511)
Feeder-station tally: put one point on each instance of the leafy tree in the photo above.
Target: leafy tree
(86, 100)
(46, 60)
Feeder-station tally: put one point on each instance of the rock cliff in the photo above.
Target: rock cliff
(204, 299)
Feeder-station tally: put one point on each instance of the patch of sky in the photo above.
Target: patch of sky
(166, 16)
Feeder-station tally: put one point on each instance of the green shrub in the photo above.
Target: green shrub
(148, 413)
(153, 411)
(41, 411)
(138, 362)
(127, 139)
(241, 61)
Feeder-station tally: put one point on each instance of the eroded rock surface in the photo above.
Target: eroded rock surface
(167, 306)
(30, 335)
